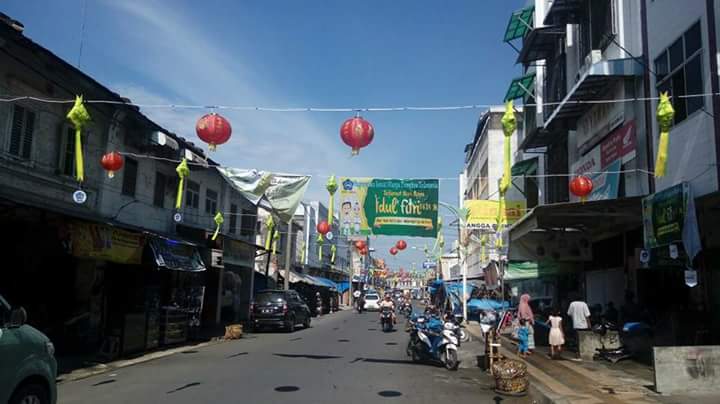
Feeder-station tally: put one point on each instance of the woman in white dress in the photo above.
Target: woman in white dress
(556, 337)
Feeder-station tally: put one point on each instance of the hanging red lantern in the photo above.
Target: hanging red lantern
(213, 129)
(112, 162)
(401, 245)
(360, 245)
(323, 227)
(393, 251)
(581, 186)
(357, 133)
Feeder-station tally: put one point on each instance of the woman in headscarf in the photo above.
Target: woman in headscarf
(525, 313)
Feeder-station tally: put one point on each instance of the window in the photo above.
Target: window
(211, 200)
(21, 133)
(233, 218)
(67, 151)
(130, 177)
(159, 194)
(192, 195)
(247, 222)
(679, 72)
(596, 27)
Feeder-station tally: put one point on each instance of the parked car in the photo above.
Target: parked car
(28, 368)
(279, 309)
(372, 302)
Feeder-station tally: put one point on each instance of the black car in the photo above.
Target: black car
(280, 309)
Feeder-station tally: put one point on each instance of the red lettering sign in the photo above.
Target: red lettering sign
(620, 144)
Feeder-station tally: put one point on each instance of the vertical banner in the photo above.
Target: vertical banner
(393, 207)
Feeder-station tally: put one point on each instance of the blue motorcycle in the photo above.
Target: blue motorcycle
(433, 340)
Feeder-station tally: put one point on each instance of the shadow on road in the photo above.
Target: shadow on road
(104, 382)
(236, 355)
(307, 356)
(387, 361)
(187, 386)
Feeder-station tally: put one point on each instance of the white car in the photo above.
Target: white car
(372, 302)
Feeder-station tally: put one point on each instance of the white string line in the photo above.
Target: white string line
(15, 98)
(634, 170)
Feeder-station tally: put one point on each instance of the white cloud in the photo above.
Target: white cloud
(175, 55)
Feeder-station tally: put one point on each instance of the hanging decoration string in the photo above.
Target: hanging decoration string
(15, 98)
(218, 223)
(665, 117)
(320, 242)
(270, 227)
(183, 171)
(275, 238)
(333, 251)
(509, 125)
(331, 187)
(79, 116)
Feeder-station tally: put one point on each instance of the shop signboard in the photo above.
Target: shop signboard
(176, 255)
(483, 214)
(393, 207)
(107, 243)
(601, 118)
(606, 180)
(669, 217)
(620, 144)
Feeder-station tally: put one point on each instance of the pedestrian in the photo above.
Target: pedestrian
(556, 336)
(525, 313)
(523, 333)
(579, 312)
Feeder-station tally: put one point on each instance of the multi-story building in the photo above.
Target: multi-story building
(117, 271)
(592, 73)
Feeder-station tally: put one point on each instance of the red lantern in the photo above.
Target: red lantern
(323, 228)
(401, 245)
(357, 133)
(213, 129)
(581, 186)
(112, 162)
(360, 245)
(393, 251)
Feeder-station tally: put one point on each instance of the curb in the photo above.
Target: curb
(84, 373)
(537, 389)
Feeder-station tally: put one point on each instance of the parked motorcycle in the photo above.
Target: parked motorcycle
(386, 319)
(436, 342)
(457, 319)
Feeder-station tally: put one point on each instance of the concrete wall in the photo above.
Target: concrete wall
(687, 369)
(692, 142)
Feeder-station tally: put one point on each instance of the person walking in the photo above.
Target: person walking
(579, 312)
(525, 313)
(523, 333)
(556, 336)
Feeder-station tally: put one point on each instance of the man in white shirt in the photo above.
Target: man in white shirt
(579, 312)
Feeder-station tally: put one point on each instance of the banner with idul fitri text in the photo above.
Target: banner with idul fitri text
(393, 207)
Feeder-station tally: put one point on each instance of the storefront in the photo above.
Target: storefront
(238, 280)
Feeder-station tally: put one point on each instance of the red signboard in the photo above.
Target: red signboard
(620, 144)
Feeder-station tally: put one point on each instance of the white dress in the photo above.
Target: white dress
(556, 335)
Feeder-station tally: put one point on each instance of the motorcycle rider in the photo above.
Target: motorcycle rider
(387, 302)
(318, 303)
(359, 301)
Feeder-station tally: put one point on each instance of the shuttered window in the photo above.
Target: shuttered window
(159, 195)
(211, 201)
(21, 133)
(247, 222)
(192, 195)
(130, 177)
(67, 152)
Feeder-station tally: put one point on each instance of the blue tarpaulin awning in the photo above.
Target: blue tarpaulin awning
(323, 282)
(343, 286)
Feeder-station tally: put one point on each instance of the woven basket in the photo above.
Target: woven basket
(234, 331)
(510, 377)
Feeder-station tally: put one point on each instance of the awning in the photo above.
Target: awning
(324, 282)
(597, 219)
(565, 12)
(539, 44)
(591, 86)
(521, 87)
(515, 271)
(525, 167)
(521, 21)
(176, 255)
(343, 286)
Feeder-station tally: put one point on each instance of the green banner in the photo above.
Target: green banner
(370, 206)
(664, 216)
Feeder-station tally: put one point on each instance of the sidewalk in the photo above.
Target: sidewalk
(589, 382)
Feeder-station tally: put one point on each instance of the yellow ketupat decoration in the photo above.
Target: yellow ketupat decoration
(333, 250)
(331, 187)
(270, 226)
(276, 237)
(320, 246)
(218, 222)
(183, 171)
(79, 116)
(665, 116)
(509, 124)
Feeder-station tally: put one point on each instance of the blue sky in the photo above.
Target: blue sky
(295, 54)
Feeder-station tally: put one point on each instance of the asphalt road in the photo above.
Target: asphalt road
(342, 358)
